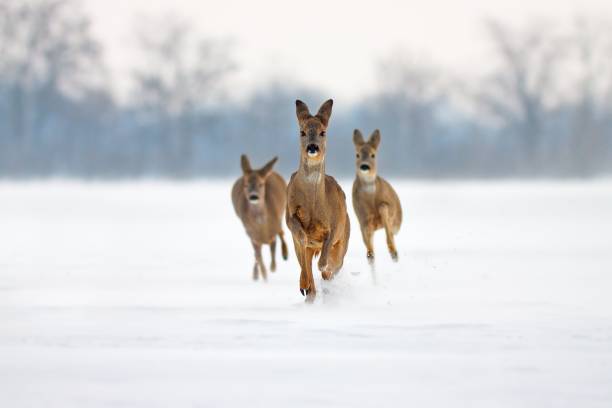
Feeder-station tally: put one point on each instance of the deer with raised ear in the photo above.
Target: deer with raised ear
(259, 199)
(375, 202)
(316, 205)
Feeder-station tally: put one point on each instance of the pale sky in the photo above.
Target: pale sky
(331, 45)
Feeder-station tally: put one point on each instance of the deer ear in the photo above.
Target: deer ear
(357, 138)
(244, 163)
(325, 111)
(265, 170)
(301, 110)
(375, 139)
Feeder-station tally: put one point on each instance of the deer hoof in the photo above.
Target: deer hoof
(304, 292)
(370, 256)
(327, 273)
(394, 256)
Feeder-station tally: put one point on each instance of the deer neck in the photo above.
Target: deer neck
(257, 211)
(312, 173)
(313, 178)
(367, 183)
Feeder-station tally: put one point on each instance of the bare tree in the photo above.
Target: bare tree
(47, 50)
(548, 90)
(407, 106)
(590, 95)
(182, 76)
(525, 83)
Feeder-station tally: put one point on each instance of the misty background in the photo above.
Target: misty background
(539, 104)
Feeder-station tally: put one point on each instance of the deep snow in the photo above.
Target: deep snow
(140, 295)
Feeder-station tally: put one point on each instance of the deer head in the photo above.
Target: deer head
(313, 131)
(366, 154)
(254, 181)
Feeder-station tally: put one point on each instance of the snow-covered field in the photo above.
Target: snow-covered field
(140, 295)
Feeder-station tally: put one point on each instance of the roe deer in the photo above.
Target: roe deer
(259, 198)
(374, 200)
(316, 205)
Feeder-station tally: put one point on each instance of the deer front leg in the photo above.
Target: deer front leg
(273, 255)
(296, 228)
(311, 291)
(299, 252)
(259, 259)
(367, 232)
(284, 250)
(305, 276)
(304, 255)
(383, 209)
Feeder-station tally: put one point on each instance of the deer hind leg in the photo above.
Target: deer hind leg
(256, 271)
(273, 255)
(385, 215)
(284, 250)
(259, 261)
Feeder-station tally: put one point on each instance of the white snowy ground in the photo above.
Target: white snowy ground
(140, 295)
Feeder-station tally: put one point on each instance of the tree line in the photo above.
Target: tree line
(541, 107)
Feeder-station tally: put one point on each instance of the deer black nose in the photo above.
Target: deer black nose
(364, 167)
(312, 149)
(253, 198)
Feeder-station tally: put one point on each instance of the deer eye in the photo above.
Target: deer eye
(373, 155)
(322, 134)
(357, 155)
(302, 133)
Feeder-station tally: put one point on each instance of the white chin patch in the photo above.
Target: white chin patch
(313, 154)
(254, 201)
(364, 171)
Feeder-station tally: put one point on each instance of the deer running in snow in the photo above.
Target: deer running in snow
(316, 205)
(259, 198)
(375, 202)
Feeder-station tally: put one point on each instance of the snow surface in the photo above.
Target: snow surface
(139, 294)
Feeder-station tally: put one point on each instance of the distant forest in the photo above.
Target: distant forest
(541, 108)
